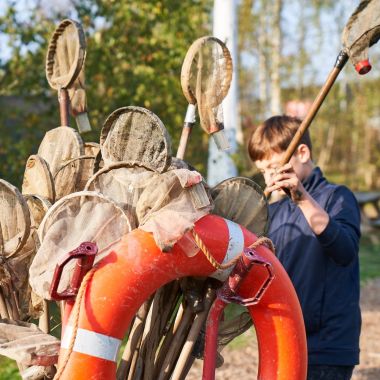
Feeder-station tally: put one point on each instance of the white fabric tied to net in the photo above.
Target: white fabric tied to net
(23, 342)
(76, 218)
(166, 207)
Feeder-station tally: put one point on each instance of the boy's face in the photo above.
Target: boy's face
(268, 167)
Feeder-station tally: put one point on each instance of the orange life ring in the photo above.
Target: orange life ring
(137, 268)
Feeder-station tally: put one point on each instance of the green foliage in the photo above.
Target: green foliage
(8, 369)
(135, 51)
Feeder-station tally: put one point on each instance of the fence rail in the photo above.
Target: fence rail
(369, 203)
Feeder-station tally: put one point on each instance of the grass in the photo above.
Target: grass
(369, 256)
(369, 269)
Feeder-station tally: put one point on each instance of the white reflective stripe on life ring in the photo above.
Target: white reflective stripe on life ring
(235, 248)
(92, 343)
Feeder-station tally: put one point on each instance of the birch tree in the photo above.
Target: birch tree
(275, 83)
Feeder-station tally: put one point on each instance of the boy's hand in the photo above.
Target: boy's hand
(285, 179)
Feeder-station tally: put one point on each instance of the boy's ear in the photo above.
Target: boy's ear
(303, 153)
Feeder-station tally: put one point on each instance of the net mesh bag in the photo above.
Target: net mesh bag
(87, 165)
(17, 290)
(166, 207)
(31, 303)
(137, 136)
(362, 30)
(76, 218)
(241, 200)
(123, 184)
(205, 78)
(59, 148)
(20, 242)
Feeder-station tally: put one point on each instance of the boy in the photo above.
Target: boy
(316, 231)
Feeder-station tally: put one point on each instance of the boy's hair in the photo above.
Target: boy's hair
(275, 135)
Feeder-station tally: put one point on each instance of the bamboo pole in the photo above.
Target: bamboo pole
(199, 321)
(163, 306)
(168, 340)
(3, 306)
(134, 361)
(63, 98)
(44, 320)
(173, 352)
(8, 304)
(133, 341)
(147, 330)
(186, 130)
(13, 302)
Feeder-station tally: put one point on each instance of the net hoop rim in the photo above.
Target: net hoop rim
(84, 193)
(91, 144)
(47, 175)
(44, 201)
(72, 160)
(25, 213)
(111, 119)
(66, 80)
(46, 204)
(242, 179)
(187, 63)
(72, 139)
(247, 181)
(110, 167)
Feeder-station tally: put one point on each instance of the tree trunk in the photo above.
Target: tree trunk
(325, 154)
(301, 59)
(263, 63)
(275, 103)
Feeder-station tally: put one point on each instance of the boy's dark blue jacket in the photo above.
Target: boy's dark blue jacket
(324, 269)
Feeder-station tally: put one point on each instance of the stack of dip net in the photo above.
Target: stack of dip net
(75, 191)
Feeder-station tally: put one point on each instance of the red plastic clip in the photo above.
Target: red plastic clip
(228, 292)
(85, 254)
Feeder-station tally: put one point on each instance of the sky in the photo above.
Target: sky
(323, 46)
(23, 8)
